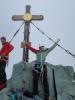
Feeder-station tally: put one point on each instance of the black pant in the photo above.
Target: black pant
(36, 76)
(2, 71)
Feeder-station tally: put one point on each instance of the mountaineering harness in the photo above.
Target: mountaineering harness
(4, 58)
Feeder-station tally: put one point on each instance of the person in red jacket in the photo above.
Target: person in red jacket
(4, 53)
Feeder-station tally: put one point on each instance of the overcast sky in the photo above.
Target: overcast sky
(59, 22)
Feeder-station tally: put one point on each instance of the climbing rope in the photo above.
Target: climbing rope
(67, 51)
(16, 32)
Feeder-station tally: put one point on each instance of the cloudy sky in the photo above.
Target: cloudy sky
(59, 22)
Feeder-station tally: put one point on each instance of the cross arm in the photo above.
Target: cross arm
(37, 17)
(17, 17)
(21, 17)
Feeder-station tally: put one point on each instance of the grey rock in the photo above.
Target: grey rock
(64, 77)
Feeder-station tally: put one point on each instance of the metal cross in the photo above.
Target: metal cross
(27, 18)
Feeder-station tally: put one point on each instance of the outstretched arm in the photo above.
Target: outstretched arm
(52, 47)
(31, 48)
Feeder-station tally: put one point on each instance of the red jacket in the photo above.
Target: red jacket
(6, 49)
